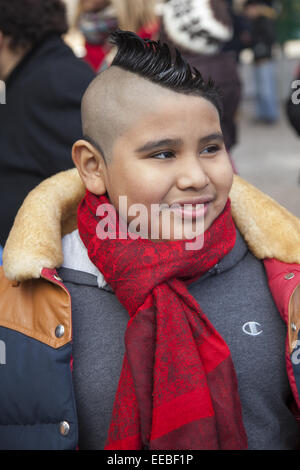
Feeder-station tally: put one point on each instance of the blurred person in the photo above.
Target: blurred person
(263, 36)
(241, 32)
(200, 29)
(44, 85)
(96, 19)
(138, 16)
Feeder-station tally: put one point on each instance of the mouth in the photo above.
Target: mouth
(192, 208)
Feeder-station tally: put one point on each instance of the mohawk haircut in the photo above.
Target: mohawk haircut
(153, 61)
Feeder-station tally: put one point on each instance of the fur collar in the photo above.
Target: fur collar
(49, 212)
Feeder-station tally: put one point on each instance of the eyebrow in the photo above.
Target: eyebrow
(156, 144)
(208, 138)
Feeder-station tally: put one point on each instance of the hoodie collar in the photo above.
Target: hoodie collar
(76, 257)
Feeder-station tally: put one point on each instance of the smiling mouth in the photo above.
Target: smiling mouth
(191, 210)
(188, 209)
(195, 207)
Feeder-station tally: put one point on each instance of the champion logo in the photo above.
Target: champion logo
(252, 328)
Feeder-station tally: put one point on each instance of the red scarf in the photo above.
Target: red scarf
(178, 387)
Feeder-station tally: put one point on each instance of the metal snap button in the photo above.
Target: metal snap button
(289, 276)
(57, 278)
(59, 331)
(64, 428)
(294, 326)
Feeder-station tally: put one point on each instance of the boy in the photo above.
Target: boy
(170, 348)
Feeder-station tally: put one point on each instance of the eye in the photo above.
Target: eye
(163, 155)
(211, 149)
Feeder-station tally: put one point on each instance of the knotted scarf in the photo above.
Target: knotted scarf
(178, 387)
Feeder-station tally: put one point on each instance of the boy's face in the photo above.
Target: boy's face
(174, 154)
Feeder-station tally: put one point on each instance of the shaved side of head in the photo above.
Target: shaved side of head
(141, 75)
(113, 102)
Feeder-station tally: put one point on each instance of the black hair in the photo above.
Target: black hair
(153, 61)
(27, 22)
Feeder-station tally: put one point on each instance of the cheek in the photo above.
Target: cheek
(139, 183)
(222, 181)
(223, 178)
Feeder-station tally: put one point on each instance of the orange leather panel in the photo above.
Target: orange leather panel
(35, 308)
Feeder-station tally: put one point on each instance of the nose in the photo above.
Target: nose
(191, 174)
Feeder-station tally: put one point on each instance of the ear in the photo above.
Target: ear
(90, 165)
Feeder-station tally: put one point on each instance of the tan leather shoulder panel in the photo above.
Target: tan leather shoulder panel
(35, 307)
(294, 318)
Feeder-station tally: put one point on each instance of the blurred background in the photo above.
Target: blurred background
(265, 153)
(50, 50)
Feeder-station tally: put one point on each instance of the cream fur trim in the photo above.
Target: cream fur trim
(269, 229)
(49, 212)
